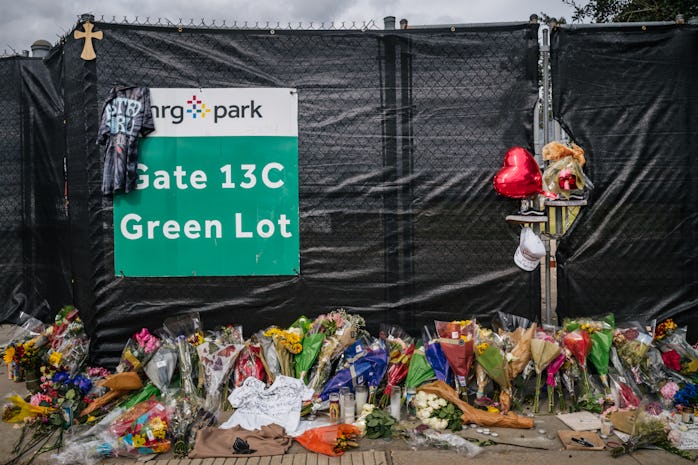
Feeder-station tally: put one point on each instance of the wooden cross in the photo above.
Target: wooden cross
(88, 51)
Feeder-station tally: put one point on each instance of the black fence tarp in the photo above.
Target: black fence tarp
(34, 253)
(628, 94)
(400, 134)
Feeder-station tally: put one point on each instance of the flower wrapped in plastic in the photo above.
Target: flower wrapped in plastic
(331, 440)
(564, 174)
(162, 364)
(341, 331)
(419, 371)
(287, 344)
(249, 364)
(368, 369)
(551, 380)
(217, 359)
(142, 429)
(670, 337)
(400, 347)
(601, 334)
(632, 343)
(435, 355)
(544, 350)
(138, 350)
(457, 339)
(578, 342)
(493, 360)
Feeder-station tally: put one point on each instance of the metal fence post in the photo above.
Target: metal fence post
(545, 54)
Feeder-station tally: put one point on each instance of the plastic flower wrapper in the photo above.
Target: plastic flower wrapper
(142, 429)
(217, 359)
(484, 339)
(331, 440)
(675, 340)
(186, 356)
(564, 176)
(161, 366)
(17, 410)
(435, 355)
(249, 363)
(400, 347)
(419, 371)
(601, 332)
(632, 343)
(310, 349)
(475, 415)
(138, 350)
(457, 342)
(119, 385)
(578, 342)
(519, 356)
(270, 355)
(287, 344)
(510, 322)
(368, 369)
(230, 334)
(341, 330)
(421, 438)
(623, 394)
(544, 350)
(303, 323)
(494, 362)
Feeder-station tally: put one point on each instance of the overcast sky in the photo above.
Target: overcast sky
(23, 22)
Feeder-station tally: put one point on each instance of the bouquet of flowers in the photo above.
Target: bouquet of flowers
(632, 344)
(249, 364)
(331, 440)
(601, 334)
(341, 331)
(142, 429)
(677, 353)
(313, 334)
(420, 371)
(578, 342)
(544, 350)
(551, 381)
(138, 351)
(162, 364)
(367, 369)
(217, 360)
(457, 340)
(493, 360)
(435, 355)
(287, 344)
(400, 348)
(437, 413)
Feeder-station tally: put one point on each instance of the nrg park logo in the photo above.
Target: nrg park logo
(197, 109)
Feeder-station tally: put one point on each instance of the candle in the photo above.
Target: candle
(361, 397)
(395, 402)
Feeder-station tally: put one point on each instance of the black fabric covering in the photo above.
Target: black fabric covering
(400, 135)
(629, 96)
(34, 258)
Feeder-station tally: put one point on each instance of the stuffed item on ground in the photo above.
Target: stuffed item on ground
(216, 442)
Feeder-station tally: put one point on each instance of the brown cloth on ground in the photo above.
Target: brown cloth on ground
(475, 415)
(216, 442)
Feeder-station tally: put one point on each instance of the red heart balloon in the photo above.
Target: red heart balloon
(520, 175)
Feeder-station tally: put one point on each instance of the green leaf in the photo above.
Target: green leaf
(372, 423)
(374, 435)
(70, 395)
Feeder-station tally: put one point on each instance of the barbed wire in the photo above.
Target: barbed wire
(212, 24)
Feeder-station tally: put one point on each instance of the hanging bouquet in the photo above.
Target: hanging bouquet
(287, 344)
(544, 350)
(400, 348)
(437, 413)
(138, 350)
(341, 330)
(457, 340)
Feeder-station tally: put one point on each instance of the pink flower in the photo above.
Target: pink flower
(97, 372)
(669, 389)
(146, 341)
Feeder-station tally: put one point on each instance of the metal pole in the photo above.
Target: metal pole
(545, 53)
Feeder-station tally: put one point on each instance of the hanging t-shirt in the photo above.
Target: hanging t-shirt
(257, 406)
(125, 118)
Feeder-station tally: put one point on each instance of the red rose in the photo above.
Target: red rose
(672, 360)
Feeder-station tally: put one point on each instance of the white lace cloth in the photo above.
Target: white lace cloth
(257, 405)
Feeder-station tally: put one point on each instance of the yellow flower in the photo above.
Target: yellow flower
(481, 347)
(492, 409)
(9, 355)
(138, 440)
(91, 419)
(55, 359)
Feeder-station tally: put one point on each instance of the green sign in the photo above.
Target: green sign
(211, 205)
